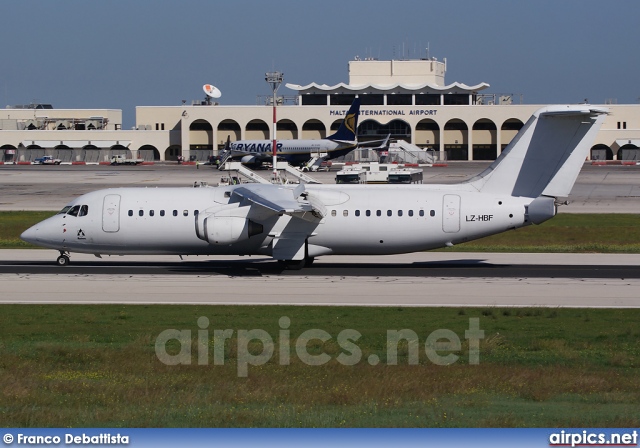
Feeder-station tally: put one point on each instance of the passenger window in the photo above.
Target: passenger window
(421, 213)
(151, 213)
(368, 213)
(333, 213)
(389, 213)
(175, 213)
(410, 212)
(345, 213)
(227, 194)
(357, 212)
(161, 212)
(196, 212)
(141, 213)
(74, 210)
(433, 213)
(399, 212)
(378, 213)
(185, 213)
(130, 212)
(84, 210)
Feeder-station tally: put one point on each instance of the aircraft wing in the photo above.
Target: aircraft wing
(280, 200)
(382, 144)
(297, 216)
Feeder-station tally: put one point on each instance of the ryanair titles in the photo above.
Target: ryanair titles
(389, 112)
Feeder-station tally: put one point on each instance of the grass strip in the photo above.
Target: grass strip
(95, 366)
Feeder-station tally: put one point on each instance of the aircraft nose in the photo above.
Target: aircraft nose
(30, 235)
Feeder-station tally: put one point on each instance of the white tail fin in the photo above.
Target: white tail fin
(544, 159)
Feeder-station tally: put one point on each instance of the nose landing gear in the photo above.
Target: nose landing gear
(63, 259)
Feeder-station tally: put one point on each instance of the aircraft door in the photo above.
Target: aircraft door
(451, 213)
(111, 213)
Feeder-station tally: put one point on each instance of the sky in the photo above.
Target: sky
(119, 54)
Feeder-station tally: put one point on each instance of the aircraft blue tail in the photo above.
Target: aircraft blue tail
(349, 126)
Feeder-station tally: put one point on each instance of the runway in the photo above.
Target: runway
(422, 279)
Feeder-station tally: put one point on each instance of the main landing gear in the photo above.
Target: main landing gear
(296, 265)
(63, 259)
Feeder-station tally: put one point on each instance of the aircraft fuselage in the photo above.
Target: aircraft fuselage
(359, 220)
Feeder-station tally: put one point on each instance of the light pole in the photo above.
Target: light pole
(274, 79)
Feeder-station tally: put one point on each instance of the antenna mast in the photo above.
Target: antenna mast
(274, 79)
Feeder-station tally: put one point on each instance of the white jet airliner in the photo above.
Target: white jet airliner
(295, 224)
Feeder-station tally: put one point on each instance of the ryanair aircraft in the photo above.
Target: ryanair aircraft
(298, 152)
(296, 224)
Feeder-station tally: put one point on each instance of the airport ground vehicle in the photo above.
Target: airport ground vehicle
(122, 160)
(46, 160)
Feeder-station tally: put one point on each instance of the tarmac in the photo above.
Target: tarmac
(599, 189)
(121, 282)
(422, 279)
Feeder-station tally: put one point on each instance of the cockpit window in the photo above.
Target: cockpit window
(74, 210)
(84, 210)
(64, 210)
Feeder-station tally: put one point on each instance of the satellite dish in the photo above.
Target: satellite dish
(211, 91)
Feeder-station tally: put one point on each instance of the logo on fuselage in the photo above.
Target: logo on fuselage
(254, 147)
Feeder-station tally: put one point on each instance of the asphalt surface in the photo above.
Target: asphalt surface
(429, 269)
(421, 279)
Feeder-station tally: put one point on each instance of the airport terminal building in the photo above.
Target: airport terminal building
(407, 99)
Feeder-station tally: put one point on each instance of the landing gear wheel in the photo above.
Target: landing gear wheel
(293, 265)
(63, 260)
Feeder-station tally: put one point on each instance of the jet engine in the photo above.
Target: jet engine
(249, 160)
(223, 230)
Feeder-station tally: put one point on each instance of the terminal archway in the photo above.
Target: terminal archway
(313, 129)
(148, 153)
(456, 140)
(287, 130)
(257, 130)
(89, 154)
(485, 143)
(427, 134)
(30, 153)
(629, 152)
(601, 152)
(372, 130)
(118, 150)
(508, 130)
(63, 152)
(8, 153)
(172, 153)
(201, 134)
(227, 129)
